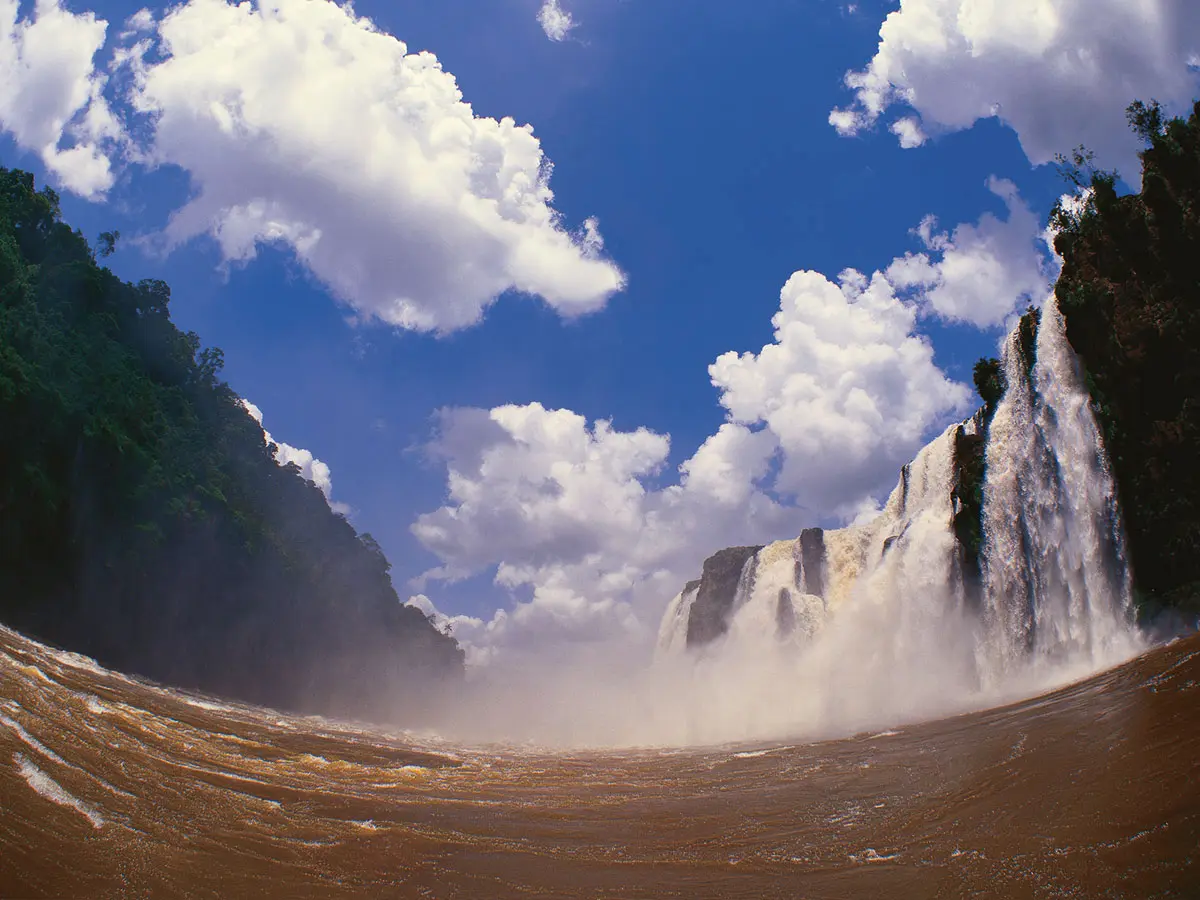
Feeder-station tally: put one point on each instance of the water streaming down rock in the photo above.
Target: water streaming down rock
(1050, 584)
(672, 633)
(1057, 580)
(773, 599)
(788, 589)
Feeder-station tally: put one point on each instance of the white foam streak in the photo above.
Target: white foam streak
(31, 742)
(47, 787)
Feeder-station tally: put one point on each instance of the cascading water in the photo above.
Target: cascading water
(887, 621)
(672, 633)
(774, 598)
(1057, 582)
(908, 551)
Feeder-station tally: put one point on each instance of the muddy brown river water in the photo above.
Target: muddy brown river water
(110, 787)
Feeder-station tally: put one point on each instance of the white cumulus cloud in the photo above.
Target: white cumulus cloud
(848, 388)
(50, 93)
(311, 468)
(1059, 72)
(555, 21)
(564, 511)
(982, 273)
(303, 125)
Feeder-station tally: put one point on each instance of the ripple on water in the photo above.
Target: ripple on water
(30, 741)
(38, 747)
(871, 855)
(47, 787)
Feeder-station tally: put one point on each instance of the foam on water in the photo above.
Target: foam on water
(750, 754)
(30, 741)
(47, 787)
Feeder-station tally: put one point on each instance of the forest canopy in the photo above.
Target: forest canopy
(1130, 293)
(144, 519)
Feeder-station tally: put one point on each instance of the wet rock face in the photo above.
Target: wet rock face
(967, 497)
(709, 618)
(785, 614)
(812, 553)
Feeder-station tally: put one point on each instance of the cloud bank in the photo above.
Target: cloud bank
(302, 125)
(1059, 72)
(565, 511)
(50, 93)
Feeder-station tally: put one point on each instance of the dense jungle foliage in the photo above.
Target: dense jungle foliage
(1130, 293)
(143, 517)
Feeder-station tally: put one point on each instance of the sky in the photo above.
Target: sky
(555, 299)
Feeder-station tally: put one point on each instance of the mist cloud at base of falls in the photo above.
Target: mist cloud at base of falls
(894, 635)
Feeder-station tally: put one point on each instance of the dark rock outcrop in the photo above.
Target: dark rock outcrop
(709, 618)
(812, 553)
(785, 615)
(967, 500)
(967, 495)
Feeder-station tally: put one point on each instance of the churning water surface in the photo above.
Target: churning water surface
(112, 787)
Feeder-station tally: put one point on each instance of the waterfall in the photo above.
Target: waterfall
(886, 608)
(773, 597)
(894, 579)
(907, 551)
(903, 558)
(1057, 581)
(672, 633)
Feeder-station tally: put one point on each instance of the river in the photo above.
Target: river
(113, 787)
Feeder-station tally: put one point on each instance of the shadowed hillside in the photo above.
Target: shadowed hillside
(143, 517)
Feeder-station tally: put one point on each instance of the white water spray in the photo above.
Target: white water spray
(894, 633)
(1057, 582)
(888, 621)
(672, 633)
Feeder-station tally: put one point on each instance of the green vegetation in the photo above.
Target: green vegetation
(967, 497)
(990, 383)
(144, 519)
(1130, 292)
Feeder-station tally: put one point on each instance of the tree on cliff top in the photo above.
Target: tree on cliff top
(1130, 292)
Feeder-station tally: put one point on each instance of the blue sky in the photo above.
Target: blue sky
(699, 137)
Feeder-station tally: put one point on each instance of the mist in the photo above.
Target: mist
(885, 622)
(864, 672)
